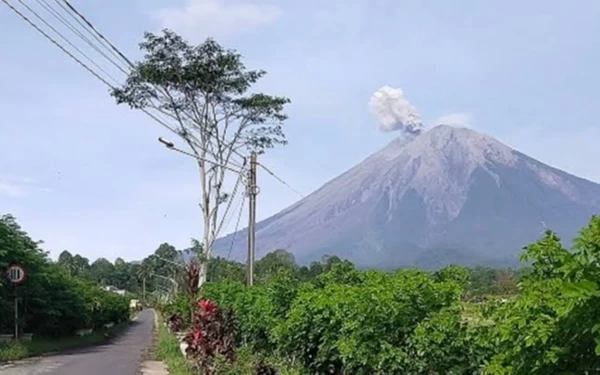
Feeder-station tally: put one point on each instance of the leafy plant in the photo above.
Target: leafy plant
(211, 336)
(175, 322)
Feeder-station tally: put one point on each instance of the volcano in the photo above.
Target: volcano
(449, 195)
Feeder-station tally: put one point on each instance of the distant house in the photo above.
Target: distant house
(114, 289)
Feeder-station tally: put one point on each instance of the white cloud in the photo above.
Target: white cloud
(458, 119)
(200, 19)
(394, 112)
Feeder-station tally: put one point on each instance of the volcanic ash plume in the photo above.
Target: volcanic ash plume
(394, 112)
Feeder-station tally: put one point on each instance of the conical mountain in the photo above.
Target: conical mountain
(450, 195)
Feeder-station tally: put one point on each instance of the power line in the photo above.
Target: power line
(63, 38)
(99, 34)
(91, 26)
(50, 9)
(90, 70)
(235, 189)
(205, 160)
(280, 179)
(237, 225)
(78, 20)
(127, 60)
(26, 19)
(81, 63)
(116, 52)
(241, 201)
(46, 6)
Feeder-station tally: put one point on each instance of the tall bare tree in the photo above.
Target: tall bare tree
(204, 91)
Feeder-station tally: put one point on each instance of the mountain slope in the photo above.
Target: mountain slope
(450, 195)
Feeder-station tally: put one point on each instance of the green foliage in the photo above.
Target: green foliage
(221, 269)
(179, 304)
(448, 342)
(485, 281)
(168, 351)
(203, 87)
(332, 318)
(54, 302)
(344, 320)
(552, 327)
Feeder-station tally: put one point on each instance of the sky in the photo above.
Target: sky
(85, 175)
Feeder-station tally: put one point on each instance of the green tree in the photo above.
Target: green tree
(221, 269)
(204, 90)
(271, 264)
(142, 273)
(65, 260)
(54, 301)
(121, 274)
(553, 326)
(81, 266)
(102, 271)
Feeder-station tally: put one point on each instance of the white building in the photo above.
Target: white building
(110, 288)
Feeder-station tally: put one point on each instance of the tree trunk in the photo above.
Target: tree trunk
(205, 206)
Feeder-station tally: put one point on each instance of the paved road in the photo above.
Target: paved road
(121, 357)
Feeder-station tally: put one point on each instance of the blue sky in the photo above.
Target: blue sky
(86, 175)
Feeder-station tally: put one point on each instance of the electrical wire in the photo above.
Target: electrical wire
(65, 39)
(280, 180)
(50, 9)
(233, 194)
(237, 225)
(91, 26)
(206, 160)
(94, 73)
(83, 25)
(122, 55)
(101, 38)
(27, 20)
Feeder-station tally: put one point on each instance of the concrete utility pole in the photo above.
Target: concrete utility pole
(252, 193)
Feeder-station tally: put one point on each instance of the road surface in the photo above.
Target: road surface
(122, 356)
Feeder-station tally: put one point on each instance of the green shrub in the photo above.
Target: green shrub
(180, 304)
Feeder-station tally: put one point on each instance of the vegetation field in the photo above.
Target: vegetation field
(349, 321)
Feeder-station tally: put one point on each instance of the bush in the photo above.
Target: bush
(346, 321)
(179, 305)
(211, 337)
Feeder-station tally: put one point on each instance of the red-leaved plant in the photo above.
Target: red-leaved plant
(175, 322)
(212, 335)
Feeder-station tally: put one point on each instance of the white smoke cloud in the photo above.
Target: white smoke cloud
(394, 112)
(459, 120)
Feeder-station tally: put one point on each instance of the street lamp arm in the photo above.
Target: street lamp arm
(165, 142)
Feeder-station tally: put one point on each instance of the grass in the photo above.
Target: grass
(167, 350)
(36, 347)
